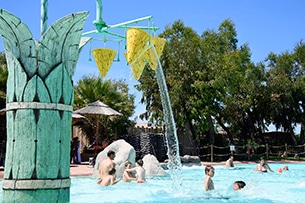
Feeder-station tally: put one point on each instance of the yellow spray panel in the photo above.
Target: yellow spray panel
(158, 43)
(140, 50)
(103, 58)
(136, 44)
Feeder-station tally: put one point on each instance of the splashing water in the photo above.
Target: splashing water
(174, 163)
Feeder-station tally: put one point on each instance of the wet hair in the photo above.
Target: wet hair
(140, 162)
(112, 171)
(208, 168)
(241, 184)
(110, 152)
(128, 162)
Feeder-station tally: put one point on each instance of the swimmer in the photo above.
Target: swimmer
(106, 165)
(140, 171)
(262, 166)
(109, 179)
(285, 168)
(128, 176)
(265, 165)
(238, 185)
(208, 182)
(229, 162)
(259, 168)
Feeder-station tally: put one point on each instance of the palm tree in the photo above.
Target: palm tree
(113, 93)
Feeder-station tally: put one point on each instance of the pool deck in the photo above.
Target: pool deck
(75, 170)
(84, 169)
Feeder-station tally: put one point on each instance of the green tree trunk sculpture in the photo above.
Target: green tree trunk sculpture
(39, 108)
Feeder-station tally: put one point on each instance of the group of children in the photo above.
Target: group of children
(262, 166)
(208, 182)
(130, 174)
(209, 172)
(137, 173)
(107, 173)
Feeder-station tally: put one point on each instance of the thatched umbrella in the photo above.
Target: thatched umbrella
(3, 111)
(97, 108)
(76, 117)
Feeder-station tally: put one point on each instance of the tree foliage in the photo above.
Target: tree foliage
(213, 84)
(115, 95)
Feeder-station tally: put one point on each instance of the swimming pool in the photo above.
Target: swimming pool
(288, 186)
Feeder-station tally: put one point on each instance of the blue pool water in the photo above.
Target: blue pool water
(288, 187)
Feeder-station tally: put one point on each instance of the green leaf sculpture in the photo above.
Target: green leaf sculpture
(39, 107)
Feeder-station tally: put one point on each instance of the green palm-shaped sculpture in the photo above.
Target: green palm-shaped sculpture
(39, 108)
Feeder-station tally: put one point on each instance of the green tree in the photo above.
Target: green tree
(212, 83)
(257, 103)
(180, 60)
(222, 84)
(203, 75)
(114, 94)
(299, 62)
(286, 83)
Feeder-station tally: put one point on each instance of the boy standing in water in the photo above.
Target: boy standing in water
(209, 173)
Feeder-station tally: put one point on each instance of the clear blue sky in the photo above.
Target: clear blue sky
(266, 25)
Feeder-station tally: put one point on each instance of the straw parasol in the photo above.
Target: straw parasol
(97, 108)
(3, 111)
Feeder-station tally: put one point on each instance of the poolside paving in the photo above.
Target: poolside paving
(75, 170)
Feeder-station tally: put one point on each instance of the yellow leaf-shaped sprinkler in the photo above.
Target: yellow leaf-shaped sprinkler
(103, 58)
(139, 50)
(137, 66)
(137, 42)
(158, 43)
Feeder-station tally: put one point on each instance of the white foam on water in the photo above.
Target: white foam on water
(288, 186)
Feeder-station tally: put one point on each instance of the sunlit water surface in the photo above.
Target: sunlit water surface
(288, 186)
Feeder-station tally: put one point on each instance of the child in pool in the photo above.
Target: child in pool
(109, 179)
(208, 182)
(238, 185)
(140, 171)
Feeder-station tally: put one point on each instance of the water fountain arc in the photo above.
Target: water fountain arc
(174, 164)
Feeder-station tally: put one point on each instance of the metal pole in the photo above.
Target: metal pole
(44, 16)
(98, 22)
(212, 153)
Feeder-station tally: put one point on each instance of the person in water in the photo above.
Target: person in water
(238, 185)
(109, 179)
(285, 168)
(140, 171)
(229, 162)
(106, 165)
(263, 166)
(208, 182)
(128, 176)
